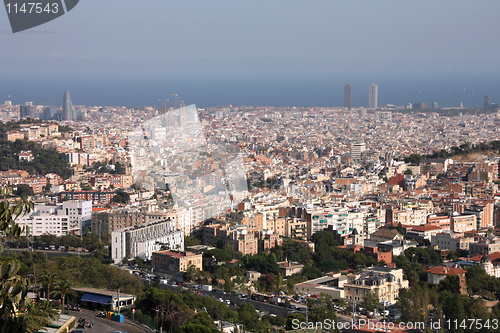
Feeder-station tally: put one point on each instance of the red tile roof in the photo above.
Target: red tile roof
(495, 256)
(425, 227)
(445, 270)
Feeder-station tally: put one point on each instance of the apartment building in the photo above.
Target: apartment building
(68, 218)
(290, 227)
(96, 197)
(435, 166)
(486, 245)
(241, 240)
(483, 213)
(142, 241)
(451, 241)
(267, 239)
(463, 223)
(171, 264)
(423, 232)
(383, 281)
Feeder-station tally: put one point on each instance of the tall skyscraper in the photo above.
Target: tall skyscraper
(348, 96)
(373, 96)
(67, 106)
(486, 104)
(27, 111)
(49, 113)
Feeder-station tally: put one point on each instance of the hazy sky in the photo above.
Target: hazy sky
(190, 39)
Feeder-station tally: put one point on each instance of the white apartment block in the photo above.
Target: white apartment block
(142, 240)
(70, 217)
(343, 220)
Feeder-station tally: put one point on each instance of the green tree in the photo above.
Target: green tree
(370, 301)
(293, 321)
(121, 197)
(48, 279)
(23, 191)
(191, 273)
(38, 314)
(199, 323)
(86, 187)
(322, 309)
(62, 288)
(13, 287)
(119, 169)
(249, 317)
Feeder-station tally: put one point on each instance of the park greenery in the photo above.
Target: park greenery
(46, 160)
(101, 167)
(121, 197)
(463, 149)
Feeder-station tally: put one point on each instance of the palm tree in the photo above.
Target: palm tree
(62, 288)
(39, 314)
(48, 279)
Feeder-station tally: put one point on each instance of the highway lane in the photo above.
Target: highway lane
(235, 300)
(103, 325)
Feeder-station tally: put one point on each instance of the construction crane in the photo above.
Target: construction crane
(176, 99)
(163, 105)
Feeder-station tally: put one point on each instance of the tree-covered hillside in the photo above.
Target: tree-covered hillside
(45, 160)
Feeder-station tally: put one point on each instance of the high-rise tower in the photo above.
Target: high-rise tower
(373, 96)
(486, 104)
(348, 96)
(67, 106)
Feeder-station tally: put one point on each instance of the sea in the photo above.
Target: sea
(304, 91)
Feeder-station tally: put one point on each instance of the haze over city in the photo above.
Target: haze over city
(257, 53)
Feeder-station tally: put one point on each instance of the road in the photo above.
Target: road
(269, 308)
(103, 325)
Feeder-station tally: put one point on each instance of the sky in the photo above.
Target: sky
(276, 52)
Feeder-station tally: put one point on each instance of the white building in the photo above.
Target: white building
(357, 151)
(141, 241)
(70, 217)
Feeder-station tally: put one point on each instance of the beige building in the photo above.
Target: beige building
(451, 241)
(290, 227)
(288, 268)
(267, 239)
(172, 264)
(384, 234)
(485, 246)
(253, 275)
(410, 216)
(242, 240)
(383, 281)
(330, 284)
(463, 223)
